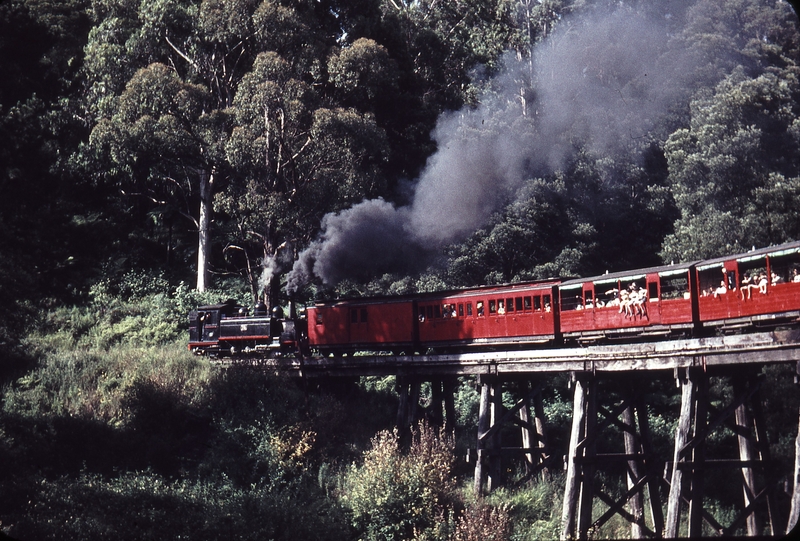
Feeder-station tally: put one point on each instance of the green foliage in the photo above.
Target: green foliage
(101, 384)
(534, 510)
(140, 310)
(362, 71)
(728, 169)
(148, 506)
(394, 495)
(113, 440)
(467, 402)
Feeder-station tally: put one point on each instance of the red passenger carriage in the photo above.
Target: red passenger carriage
(508, 316)
(498, 316)
(652, 301)
(758, 288)
(372, 324)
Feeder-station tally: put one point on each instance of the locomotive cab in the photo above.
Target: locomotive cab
(204, 323)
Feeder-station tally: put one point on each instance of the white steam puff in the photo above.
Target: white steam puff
(603, 82)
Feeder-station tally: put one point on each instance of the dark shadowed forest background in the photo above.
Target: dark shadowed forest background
(156, 155)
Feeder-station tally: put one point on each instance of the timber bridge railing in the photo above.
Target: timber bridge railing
(609, 383)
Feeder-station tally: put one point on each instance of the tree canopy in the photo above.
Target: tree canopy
(215, 140)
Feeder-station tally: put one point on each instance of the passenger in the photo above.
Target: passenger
(747, 286)
(480, 308)
(776, 279)
(625, 303)
(795, 276)
(639, 303)
(635, 294)
(721, 290)
(762, 283)
(615, 300)
(501, 308)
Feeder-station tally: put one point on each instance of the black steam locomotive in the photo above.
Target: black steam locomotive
(228, 329)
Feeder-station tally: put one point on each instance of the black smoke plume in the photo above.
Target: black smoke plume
(600, 82)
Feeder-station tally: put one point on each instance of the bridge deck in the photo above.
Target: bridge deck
(754, 348)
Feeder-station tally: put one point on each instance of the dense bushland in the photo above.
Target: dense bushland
(114, 430)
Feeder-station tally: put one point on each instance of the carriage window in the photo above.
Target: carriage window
(492, 307)
(460, 309)
(518, 304)
(527, 302)
(319, 318)
(469, 308)
(501, 307)
(363, 315)
(713, 281)
(607, 294)
(571, 300)
(652, 289)
(429, 310)
(421, 314)
(588, 299)
(675, 287)
(353, 315)
(752, 275)
(479, 308)
(445, 311)
(547, 303)
(510, 305)
(785, 267)
(437, 313)
(537, 303)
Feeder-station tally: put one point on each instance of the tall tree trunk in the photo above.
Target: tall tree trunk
(204, 223)
(270, 282)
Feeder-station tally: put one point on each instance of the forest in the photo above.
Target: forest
(157, 155)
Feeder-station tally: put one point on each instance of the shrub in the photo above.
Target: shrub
(394, 495)
(482, 522)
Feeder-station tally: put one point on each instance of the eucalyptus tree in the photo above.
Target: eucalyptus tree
(734, 170)
(444, 52)
(229, 99)
(299, 157)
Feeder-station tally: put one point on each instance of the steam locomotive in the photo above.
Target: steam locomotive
(738, 293)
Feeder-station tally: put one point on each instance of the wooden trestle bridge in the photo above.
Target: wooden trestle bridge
(597, 373)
